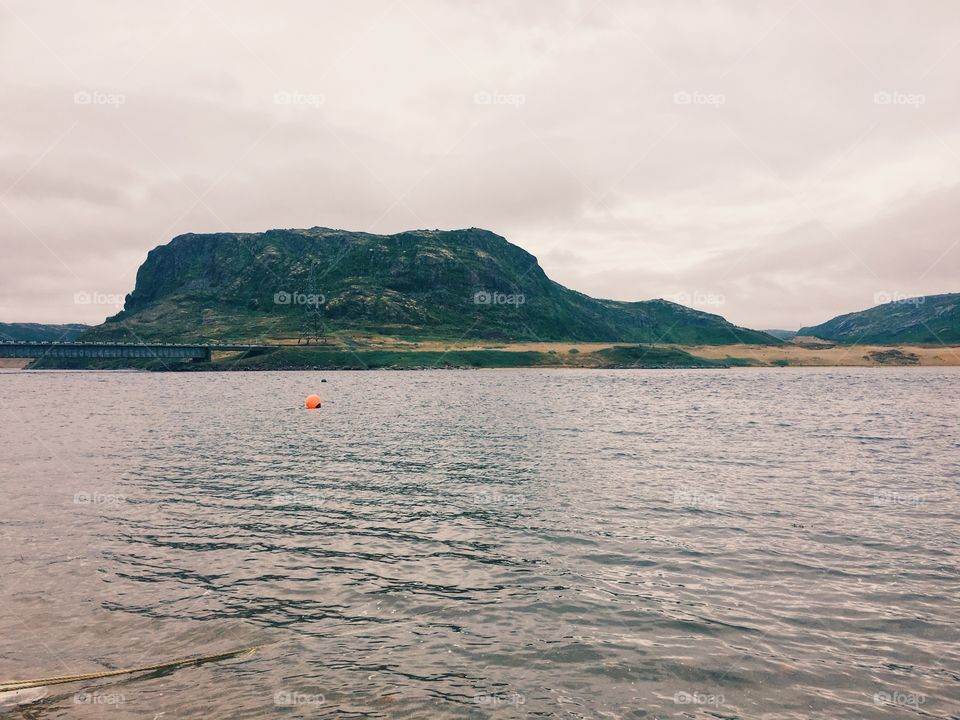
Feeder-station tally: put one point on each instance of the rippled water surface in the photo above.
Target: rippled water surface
(612, 544)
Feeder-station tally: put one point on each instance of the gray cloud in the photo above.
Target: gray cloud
(786, 158)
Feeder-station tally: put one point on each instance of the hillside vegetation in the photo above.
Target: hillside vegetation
(419, 284)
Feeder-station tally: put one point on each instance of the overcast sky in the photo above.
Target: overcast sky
(775, 162)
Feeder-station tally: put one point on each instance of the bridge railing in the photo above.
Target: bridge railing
(81, 349)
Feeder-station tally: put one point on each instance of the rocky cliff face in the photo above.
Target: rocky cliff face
(444, 284)
(929, 319)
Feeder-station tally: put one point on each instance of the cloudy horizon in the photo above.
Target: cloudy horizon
(777, 163)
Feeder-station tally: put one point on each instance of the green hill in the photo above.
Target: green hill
(37, 332)
(420, 284)
(930, 319)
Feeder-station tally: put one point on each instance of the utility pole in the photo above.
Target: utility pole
(312, 327)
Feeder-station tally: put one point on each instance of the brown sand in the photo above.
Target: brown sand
(838, 355)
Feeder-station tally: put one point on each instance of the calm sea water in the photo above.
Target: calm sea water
(751, 543)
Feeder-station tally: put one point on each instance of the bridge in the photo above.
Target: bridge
(103, 350)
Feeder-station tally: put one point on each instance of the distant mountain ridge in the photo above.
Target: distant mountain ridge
(925, 319)
(39, 332)
(782, 334)
(456, 284)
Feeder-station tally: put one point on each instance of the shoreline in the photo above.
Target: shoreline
(565, 355)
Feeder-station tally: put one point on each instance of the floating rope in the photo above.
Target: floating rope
(61, 679)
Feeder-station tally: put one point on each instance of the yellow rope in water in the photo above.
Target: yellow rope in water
(61, 679)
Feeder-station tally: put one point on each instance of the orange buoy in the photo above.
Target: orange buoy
(313, 402)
